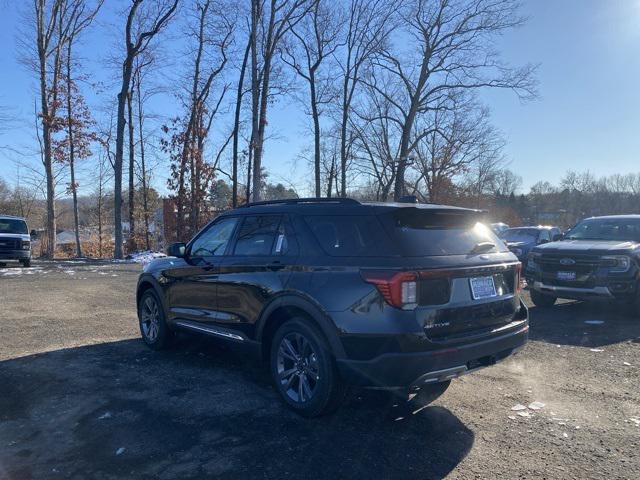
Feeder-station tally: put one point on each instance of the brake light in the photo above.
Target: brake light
(518, 277)
(399, 289)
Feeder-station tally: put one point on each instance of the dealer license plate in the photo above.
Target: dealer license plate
(566, 276)
(482, 287)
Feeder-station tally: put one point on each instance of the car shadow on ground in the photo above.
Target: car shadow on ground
(199, 410)
(583, 324)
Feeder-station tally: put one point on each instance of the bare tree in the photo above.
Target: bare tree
(141, 27)
(369, 24)
(452, 49)
(268, 27)
(318, 37)
(81, 17)
(191, 174)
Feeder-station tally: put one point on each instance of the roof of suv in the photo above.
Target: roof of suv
(333, 206)
(12, 217)
(616, 217)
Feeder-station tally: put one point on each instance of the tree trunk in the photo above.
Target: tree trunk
(132, 229)
(145, 192)
(76, 223)
(255, 103)
(316, 131)
(236, 127)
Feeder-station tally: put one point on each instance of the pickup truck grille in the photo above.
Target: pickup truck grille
(584, 266)
(8, 243)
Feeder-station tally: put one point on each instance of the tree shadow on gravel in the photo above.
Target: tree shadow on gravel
(583, 324)
(199, 410)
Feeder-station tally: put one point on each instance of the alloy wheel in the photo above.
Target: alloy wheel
(150, 319)
(298, 368)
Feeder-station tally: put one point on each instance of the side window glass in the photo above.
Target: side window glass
(213, 241)
(285, 243)
(257, 235)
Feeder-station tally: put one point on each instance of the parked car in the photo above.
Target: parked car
(15, 241)
(498, 228)
(521, 240)
(598, 259)
(336, 292)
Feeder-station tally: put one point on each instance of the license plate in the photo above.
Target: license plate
(566, 275)
(482, 287)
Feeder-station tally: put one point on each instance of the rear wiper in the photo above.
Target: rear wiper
(482, 247)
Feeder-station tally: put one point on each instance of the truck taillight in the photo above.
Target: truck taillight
(399, 289)
(518, 279)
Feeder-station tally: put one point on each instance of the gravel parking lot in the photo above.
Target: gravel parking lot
(82, 397)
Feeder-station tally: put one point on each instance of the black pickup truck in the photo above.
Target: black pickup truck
(598, 259)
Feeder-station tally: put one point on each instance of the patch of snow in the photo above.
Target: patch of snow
(596, 350)
(518, 407)
(145, 257)
(626, 364)
(536, 405)
(524, 414)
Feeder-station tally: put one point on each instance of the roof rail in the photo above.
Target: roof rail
(296, 201)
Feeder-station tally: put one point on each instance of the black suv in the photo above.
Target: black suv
(334, 292)
(598, 259)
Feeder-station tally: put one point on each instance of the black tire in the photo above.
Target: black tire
(26, 263)
(156, 335)
(540, 299)
(315, 375)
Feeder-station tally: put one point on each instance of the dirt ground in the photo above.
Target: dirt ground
(82, 397)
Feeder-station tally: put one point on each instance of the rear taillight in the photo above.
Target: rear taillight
(399, 289)
(518, 279)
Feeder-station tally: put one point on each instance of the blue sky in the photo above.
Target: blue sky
(587, 116)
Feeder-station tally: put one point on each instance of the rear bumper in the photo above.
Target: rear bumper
(15, 254)
(393, 370)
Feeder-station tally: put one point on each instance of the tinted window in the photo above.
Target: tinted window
(622, 229)
(422, 232)
(257, 235)
(350, 235)
(544, 235)
(214, 240)
(285, 243)
(10, 225)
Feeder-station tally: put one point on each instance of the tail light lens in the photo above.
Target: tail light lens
(518, 278)
(399, 289)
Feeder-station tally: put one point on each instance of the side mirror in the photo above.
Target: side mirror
(33, 234)
(177, 250)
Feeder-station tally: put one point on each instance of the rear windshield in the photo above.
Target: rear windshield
(526, 235)
(350, 235)
(621, 229)
(10, 225)
(440, 232)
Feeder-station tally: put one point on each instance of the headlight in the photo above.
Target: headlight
(26, 244)
(616, 263)
(531, 261)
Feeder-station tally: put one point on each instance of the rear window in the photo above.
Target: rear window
(350, 235)
(421, 232)
(10, 225)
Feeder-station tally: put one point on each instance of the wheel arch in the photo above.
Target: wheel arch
(289, 306)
